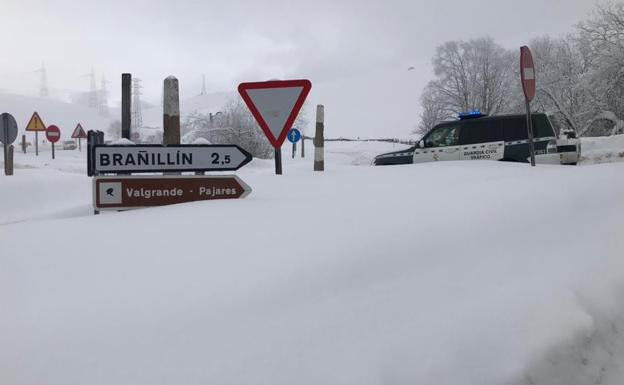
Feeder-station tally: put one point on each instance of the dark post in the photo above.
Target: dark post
(530, 129)
(278, 161)
(52, 150)
(8, 159)
(171, 111)
(319, 139)
(24, 144)
(294, 151)
(36, 143)
(79, 145)
(126, 83)
(302, 145)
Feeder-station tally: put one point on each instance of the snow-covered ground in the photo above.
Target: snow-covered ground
(604, 149)
(442, 273)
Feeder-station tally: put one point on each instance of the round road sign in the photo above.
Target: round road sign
(294, 135)
(527, 73)
(53, 134)
(8, 128)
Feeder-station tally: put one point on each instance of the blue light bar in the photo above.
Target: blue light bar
(472, 113)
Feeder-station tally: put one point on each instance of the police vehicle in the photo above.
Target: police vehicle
(477, 136)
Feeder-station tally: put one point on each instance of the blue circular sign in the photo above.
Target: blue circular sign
(294, 135)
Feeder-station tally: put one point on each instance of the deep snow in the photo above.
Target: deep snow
(442, 273)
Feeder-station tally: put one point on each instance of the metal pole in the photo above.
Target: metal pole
(126, 83)
(278, 161)
(294, 150)
(52, 150)
(24, 143)
(319, 139)
(302, 145)
(8, 159)
(79, 145)
(530, 130)
(36, 143)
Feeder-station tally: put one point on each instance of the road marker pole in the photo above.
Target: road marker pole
(126, 82)
(319, 140)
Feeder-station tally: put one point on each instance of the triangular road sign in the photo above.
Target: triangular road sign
(79, 132)
(35, 123)
(275, 105)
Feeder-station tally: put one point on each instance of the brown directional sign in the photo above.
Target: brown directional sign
(132, 191)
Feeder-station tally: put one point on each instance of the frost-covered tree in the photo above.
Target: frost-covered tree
(434, 110)
(471, 74)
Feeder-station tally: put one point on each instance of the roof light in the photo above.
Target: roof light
(470, 114)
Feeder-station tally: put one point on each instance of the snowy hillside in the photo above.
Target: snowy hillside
(443, 273)
(64, 115)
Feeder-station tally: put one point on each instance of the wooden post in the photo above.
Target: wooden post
(319, 140)
(8, 159)
(126, 83)
(24, 143)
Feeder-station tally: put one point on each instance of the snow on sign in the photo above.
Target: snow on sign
(175, 158)
(79, 132)
(35, 123)
(128, 192)
(527, 73)
(275, 104)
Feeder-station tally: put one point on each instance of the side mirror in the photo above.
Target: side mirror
(421, 144)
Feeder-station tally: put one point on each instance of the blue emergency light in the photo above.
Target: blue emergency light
(470, 114)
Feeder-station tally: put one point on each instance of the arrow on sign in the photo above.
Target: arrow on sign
(275, 105)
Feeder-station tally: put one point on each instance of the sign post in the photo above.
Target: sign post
(275, 105)
(527, 75)
(8, 133)
(79, 133)
(53, 134)
(36, 124)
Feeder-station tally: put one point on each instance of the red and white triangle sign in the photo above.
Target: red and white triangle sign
(79, 132)
(275, 104)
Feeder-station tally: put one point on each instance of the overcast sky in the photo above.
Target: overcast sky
(356, 53)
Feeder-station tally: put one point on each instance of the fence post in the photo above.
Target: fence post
(319, 140)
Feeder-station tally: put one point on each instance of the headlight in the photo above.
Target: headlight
(551, 147)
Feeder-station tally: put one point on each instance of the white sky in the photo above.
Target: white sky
(356, 53)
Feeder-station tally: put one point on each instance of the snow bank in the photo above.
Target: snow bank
(441, 273)
(602, 149)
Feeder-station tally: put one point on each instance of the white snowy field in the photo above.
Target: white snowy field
(443, 273)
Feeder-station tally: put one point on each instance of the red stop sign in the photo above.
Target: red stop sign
(53, 134)
(527, 73)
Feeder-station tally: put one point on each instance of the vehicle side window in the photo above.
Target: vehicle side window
(443, 136)
(514, 128)
(541, 126)
(481, 131)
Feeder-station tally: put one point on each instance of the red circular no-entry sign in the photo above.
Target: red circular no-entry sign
(527, 73)
(53, 134)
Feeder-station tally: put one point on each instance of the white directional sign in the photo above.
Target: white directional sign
(175, 158)
(275, 105)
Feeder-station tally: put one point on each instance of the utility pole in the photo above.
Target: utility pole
(103, 97)
(93, 94)
(43, 88)
(137, 117)
(203, 91)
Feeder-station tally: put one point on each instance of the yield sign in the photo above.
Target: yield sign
(79, 132)
(275, 105)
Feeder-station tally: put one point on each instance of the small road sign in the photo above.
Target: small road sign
(527, 73)
(174, 158)
(128, 192)
(8, 129)
(35, 123)
(275, 105)
(294, 135)
(79, 133)
(53, 134)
